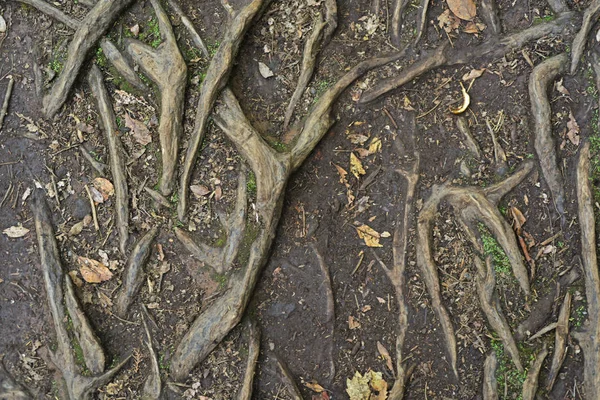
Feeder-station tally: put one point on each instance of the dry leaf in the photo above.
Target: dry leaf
(104, 186)
(93, 271)
(314, 386)
(75, 278)
(386, 356)
(381, 300)
(463, 9)
(264, 70)
(375, 146)
(465, 104)
(353, 323)
(105, 301)
(76, 229)
(358, 387)
(369, 235)
(135, 30)
(560, 88)
(573, 132)
(2, 25)
(378, 384)
(472, 28)
(342, 173)
(200, 190)
(518, 219)
(357, 138)
(448, 21)
(407, 105)
(356, 166)
(140, 131)
(16, 231)
(385, 234)
(474, 74)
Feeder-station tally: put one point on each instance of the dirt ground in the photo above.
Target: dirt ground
(326, 199)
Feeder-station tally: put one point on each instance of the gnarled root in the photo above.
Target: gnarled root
(545, 147)
(167, 69)
(134, 272)
(589, 19)
(560, 341)
(93, 26)
(115, 150)
(79, 387)
(153, 385)
(589, 336)
(463, 126)
(253, 333)
(490, 384)
(530, 385)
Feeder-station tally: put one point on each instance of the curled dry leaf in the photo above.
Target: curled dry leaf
(353, 323)
(93, 271)
(104, 186)
(356, 166)
(573, 130)
(140, 131)
(463, 9)
(465, 104)
(16, 231)
(473, 74)
(386, 356)
(369, 235)
(200, 190)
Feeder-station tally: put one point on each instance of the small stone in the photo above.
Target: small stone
(81, 208)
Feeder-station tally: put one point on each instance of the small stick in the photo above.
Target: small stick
(4, 110)
(157, 197)
(98, 166)
(422, 20)
(93, 205)
(543, 331)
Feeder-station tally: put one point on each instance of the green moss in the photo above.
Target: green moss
(251, 184)
(151, 33)
(221, 279)
(507, 374)
(492, 248)
(212, 48)
(101, 58)
(545, 18)
(77, 350)
(250, 234)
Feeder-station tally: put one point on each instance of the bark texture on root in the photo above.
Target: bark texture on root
(153, 385)
(560, 341)
(93, 26)
(494, 48)
(253, 333)
(422, 20)
(134, 272)
(490, 384)
(489, 12)
(545, 146)
(167, 69)
(590, 17)
(216, 79)
(198, 42)
(589, 336)
(115, 150)
(79, 387)
(530, 385)
(397, 20)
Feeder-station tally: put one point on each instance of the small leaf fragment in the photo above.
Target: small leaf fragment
(200, 190)
(369, 235)
(140, 131)
(353, 323)
(356, 166)
(473, 74)
(314, 386)
(264, 70)
(104, 186)
(386, 356)
(358, 387)
(16, 231)
(93, 271)
(375, 146)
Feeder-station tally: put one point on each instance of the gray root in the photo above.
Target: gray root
(253, 333)
(545, 147)
(558, 6)
(590, 17)
(134, 272)
(79, 387)
(153, 385)
(115, 150)
(93, 26)
(167, 69)
(198, 42)
(463, 126)
(489, 12)
(157, 197)
(285, 377)
(530, 385)
(7, 94)
(499, 154)
(9, 388)
(490, 384)
(101, 168)
(216, 79)
(397, 20)
(309, 60)
(589, 336)
(560, 341)
(422, 20)
(494, 48)
(331, 19)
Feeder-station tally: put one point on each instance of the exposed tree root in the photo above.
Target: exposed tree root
(286, 378)
(79, 387)
(490, 384)
(560, 341)
(494, 48)
(329, 309)
(134, 272)
(153, 385)
(9, 389)
(489, 12)
(331, 19)
(121, 64)
(115, 150)
(397, 20)
(422, 20)
(463, 126)
(530, 385)
(590, 16)
(499, 154)
(93, 26)
(558, 6)
(7, 94)
(216, 79)
(253, 333)
(472, 205)
(157, 197)
(101, 168)
(198, 42)
(167, 69)
(545, 147)
(589, 336)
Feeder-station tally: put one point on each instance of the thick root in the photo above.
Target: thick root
(9, 389)
(115, 150)
(560, 341)
(589, 19)
(245, 392)
(121, 64)
(490, 384)
(545, 147)
(530, 385)
(286, 378)
(134, 272)
(198, 42)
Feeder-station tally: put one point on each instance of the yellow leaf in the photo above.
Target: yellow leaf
(356, 166)
(378, 384)
(358, 387)
(375, 146)
(93, 271)
(369, 235)
(342, 173)
(314, 386)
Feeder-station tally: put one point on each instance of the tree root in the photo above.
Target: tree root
(286, 378)
(471, 205)
(7, 94)
(79, 387)
(490, 384)
(422, 20)
(560, 341)
(101, 168)
(153, 385)
(134, 272)
(216, 79)
(9, 389)
(397, 20)
(499, 154)
(329, 308)
(558, 6)
(489, 12)
(541, 77)
(93, 26)
(115, 150)
(198, 42)
(494, 48)
(157, 197)
(463, 126)
(589, 19)
(245, 392)
(167, 69)
(530, 385)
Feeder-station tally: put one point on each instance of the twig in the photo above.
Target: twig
(4, 110)
(98, 166)
(93, 206)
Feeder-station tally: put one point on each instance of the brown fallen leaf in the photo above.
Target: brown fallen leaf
(375, 146)
(386, 356)
(200, 190)
(140, 131)
(560, 88)
(353, 323)
(104, 186)
(356, 167)
(75, 278)
(314, 386)
(518, 219)
(93, 271)
(463, 9)
(448, 21)
(76, 229)
(378, 384)
(16, 231)
(573, 130)
(473, 74)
